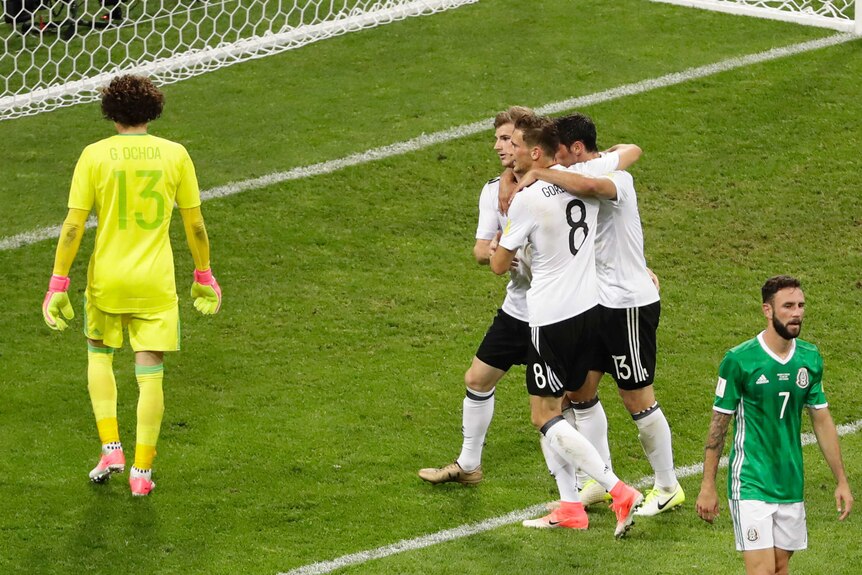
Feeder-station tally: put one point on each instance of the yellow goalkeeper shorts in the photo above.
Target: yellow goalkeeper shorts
(158, 331)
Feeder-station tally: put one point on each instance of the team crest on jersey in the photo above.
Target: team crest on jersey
(752, 534)
(802, 378)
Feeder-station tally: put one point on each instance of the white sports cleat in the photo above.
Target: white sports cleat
(592, 492)
(658, 501)
(111, 461)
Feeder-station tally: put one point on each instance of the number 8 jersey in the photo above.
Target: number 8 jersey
(562, 230)
(767, 394)
(132, 181)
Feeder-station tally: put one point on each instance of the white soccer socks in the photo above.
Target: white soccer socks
(562, 471)
(577, 451)
(477, 413)
(655, 437)
(591, 421)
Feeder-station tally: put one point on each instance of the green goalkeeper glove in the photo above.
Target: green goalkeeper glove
(56, 304)
(206, 292)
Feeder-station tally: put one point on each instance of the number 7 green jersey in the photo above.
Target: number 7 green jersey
(767, 394)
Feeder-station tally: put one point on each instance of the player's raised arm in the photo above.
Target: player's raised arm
(707, 500)
(827, 439)
(628, 153)
(205, 289)
(56, 307)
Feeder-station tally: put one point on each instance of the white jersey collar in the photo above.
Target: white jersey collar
(772, 354)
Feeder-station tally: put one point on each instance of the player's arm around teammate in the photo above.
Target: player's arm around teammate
(577, 183)
(628, 153)
(573, 183)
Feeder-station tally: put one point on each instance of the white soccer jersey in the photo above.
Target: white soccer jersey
(491, 221)
(620, 263)
(561, 229)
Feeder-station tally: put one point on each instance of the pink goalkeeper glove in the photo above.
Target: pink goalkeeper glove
(56, 304)
(206, 292)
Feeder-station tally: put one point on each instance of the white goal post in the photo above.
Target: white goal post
(57, 53)
(839, 15)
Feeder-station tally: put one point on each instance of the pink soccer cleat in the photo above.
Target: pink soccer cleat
(568, 514)
(141, 482)
(112, 461)
(626, 500)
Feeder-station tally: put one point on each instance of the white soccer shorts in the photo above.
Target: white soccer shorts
(761, 525)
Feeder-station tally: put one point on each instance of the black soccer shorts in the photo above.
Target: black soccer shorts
(627, 344)
(506, 342)
(560, 355)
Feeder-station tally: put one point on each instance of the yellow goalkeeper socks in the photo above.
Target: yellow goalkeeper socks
(103, 391)
(151, 406)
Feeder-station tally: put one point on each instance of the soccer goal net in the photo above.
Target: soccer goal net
(59, 52)
(836, 14)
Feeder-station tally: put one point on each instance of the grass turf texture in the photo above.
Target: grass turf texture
(297, 417)
(355, 92)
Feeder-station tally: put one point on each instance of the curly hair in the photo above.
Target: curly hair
(131, 100)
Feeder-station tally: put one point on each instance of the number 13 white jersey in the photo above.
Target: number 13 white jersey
(562, 230)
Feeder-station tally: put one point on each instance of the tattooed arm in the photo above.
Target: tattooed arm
(707, 500)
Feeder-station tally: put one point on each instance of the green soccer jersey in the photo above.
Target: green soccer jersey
(767, 395)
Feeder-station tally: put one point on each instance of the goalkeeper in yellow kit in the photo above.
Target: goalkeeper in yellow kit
(132, 180)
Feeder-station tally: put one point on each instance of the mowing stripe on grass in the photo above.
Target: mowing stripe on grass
(427, 140)
(489, 524)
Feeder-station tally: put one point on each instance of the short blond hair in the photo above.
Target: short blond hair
(512, 115)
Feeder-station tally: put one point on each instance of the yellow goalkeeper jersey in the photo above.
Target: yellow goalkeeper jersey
(132, 181)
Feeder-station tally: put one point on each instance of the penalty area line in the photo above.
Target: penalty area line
(514, 517)
(428, 140)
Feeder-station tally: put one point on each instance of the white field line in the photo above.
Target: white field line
(489, 524)
(427, 140)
